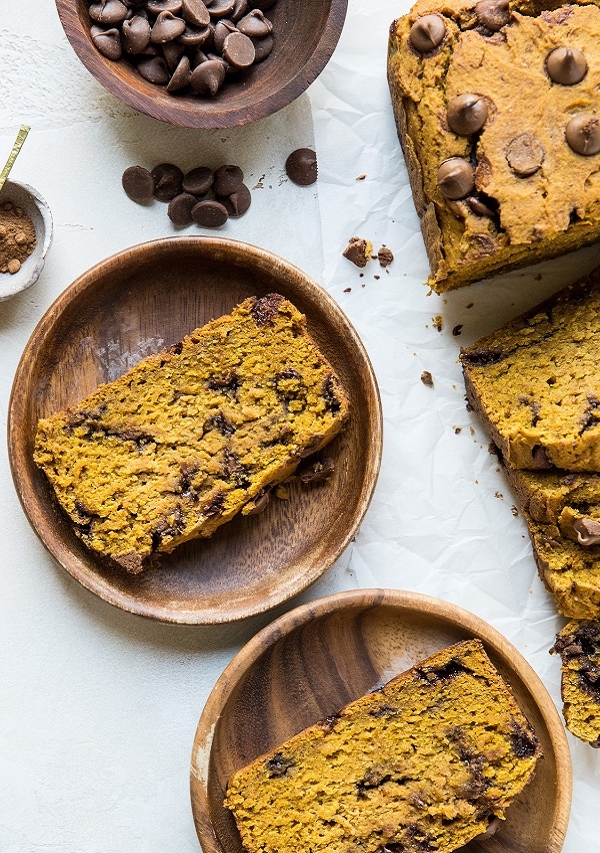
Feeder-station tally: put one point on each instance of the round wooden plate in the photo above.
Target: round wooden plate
(315, 659)
(143, 300)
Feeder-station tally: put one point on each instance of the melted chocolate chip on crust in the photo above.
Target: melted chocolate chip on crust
(278, 765)
(265, 308)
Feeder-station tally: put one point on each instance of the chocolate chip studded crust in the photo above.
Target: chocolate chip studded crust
(424, 763)
(536, 190)
(191, 436)
(578, 645)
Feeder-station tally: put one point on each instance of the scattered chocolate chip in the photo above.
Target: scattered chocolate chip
(456, 178)
(457, 330)
(210, 214)
(385, 256)
(167, 181)
(138, 183)
(427, 33)
(566, 65)
(180, 209)
(358, 251)
(583, 134)
(317, 471)
(301, 167)
(198, 181)
(467, 114)
(238, 202)
(493, 14)
(525, 154)
(427, 378)
(227, 179)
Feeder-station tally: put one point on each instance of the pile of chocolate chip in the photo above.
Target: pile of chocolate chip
(202, 196)
(190, 45)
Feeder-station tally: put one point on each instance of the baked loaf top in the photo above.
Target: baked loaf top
(496, 107)
(562, 511)
(424, 763)
(578, 645)
(191, 436)
(536, 382)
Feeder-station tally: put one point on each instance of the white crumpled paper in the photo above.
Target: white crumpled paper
(98, 709)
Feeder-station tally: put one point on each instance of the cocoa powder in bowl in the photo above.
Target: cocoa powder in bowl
(17, 237)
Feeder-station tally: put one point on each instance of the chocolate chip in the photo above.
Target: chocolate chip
(108, 42)
(195, 12)
(427, 378)
(239, 10)
(238, 50)
(385, 256)
(265, 308)
(221, 8)
(301, 167)
(263, 47)
(135, 34)
(258, 505)
(588, 531)
(154, 69)
(208, 77)
(198, 181)
(238, 202)
(227, 180)
(455, 178)
(357, 251)
(158, 6)
(172, 52)
(167, 181)
(478, 207)
(180, 209)
(467, 114)
(108, 12)
(220, 33)
(427, 33)
(138, 183)
(181, 76)
(525, 154)
(255, 25)
(493, 14)
(583, 134)
(566, 65)
(195, 36)
(166, 28)
(209, 214)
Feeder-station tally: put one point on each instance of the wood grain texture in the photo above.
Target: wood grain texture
(145, 299)
(312, 661)
(305, 33)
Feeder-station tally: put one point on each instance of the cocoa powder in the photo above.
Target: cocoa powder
(17, 237)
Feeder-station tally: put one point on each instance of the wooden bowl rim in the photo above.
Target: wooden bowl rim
(222, 248)
(182, 114)
(363, 599)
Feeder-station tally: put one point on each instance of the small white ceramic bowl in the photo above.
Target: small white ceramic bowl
(22, 195)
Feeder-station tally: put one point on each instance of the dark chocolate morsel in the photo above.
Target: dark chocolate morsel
(456, 178)
(207, 78)
(583, 134)
(238, 202)
(525, 154)
(181, 76)
(195, 12)
(107, 42)
(227, 179)
(301, 167)
(238, 50)
(138, 183)
(427, 33)
(135, 34)
(566, 65)
(167, 181)
(493, 14)
(263, 48)
(209, 214)
(180, 209)
(198, 181)
(154, 69)
(467, 114)
(166, 28)
(478, 207)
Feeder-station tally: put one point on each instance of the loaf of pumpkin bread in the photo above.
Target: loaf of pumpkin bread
(498, 112)
(190, 437)
(424, 763)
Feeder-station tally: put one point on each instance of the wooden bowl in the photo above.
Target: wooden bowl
(312, 661)
(143, 300)
(305, 34)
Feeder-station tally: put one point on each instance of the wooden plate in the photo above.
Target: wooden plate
(140, 301)
(309, 663)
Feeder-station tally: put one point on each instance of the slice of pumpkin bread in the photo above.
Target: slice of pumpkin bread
(191, 436)
(562, 511)
(424, 763)
(536, 382)
(578, 645)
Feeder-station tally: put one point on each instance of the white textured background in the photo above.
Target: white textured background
(98, 709)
